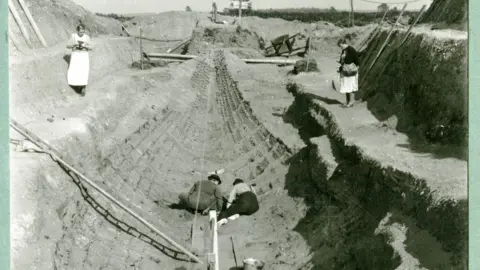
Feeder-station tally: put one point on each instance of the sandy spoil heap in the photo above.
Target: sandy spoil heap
(224, 36)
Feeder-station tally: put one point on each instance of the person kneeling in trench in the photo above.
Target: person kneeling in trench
(242, 201)
(210, 195)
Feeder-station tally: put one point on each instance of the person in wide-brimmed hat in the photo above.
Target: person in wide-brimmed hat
(210, 195)
(242, 201)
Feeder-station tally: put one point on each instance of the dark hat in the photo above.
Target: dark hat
(215, 177)
(238, 181)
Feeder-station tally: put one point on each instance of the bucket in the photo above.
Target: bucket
(252, 264)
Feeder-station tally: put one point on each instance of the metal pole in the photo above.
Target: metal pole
(33, 23)
(37, 141)
(141, 48)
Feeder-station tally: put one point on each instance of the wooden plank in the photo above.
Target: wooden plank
(213, 222)
(198, 242)
(183, 42)
(17, 18)
(33, 23)
(249, 61)
(270, 61)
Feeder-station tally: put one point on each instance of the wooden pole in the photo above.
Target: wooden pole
(403, 41)
(388, 37)
(14, 40)
(351, 12)
(383, 17)
(240, 10)
(124, 29)
(234, 254)
(17, 18)
(414, 23)
(37, 141)
(374, 31)
(141, 49)
(383, 45)
(33, 23)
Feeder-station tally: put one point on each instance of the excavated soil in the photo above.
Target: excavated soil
(57, 21)
(331, 197)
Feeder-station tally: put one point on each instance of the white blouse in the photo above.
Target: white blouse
(76, 38)
(237, 190)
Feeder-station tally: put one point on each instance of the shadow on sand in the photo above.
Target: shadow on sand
(338, 232)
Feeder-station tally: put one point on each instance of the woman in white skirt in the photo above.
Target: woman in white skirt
(349, 64)
(78, 70)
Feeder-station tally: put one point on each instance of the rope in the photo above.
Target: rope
(394, 3)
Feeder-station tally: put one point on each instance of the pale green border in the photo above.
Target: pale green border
(474, 130)
(474, 144)
(4, 142)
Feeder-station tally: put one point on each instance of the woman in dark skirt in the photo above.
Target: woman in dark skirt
(242, 201)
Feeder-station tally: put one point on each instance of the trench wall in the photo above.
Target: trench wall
(57, 21)
(423, 84)
(357, 180)
(448, 11)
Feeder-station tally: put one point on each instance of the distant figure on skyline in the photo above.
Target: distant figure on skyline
(214, 12)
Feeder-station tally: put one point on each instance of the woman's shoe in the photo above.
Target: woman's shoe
(222, 221)
(233, 217)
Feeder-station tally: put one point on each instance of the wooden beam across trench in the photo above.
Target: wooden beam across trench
(177, 57)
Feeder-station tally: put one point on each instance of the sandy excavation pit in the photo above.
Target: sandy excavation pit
(328, 200)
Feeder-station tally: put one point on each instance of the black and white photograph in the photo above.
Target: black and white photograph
(238, 134)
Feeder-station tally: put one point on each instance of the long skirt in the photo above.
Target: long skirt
(348, 84)
(79, 68)
(246, 204)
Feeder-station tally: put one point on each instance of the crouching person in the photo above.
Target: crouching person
(210, 195)
(242, 201)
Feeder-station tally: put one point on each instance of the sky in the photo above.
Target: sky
(154, 6)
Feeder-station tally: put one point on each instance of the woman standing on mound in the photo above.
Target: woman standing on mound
(242, 201)
(79, 67)
(349, 64)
